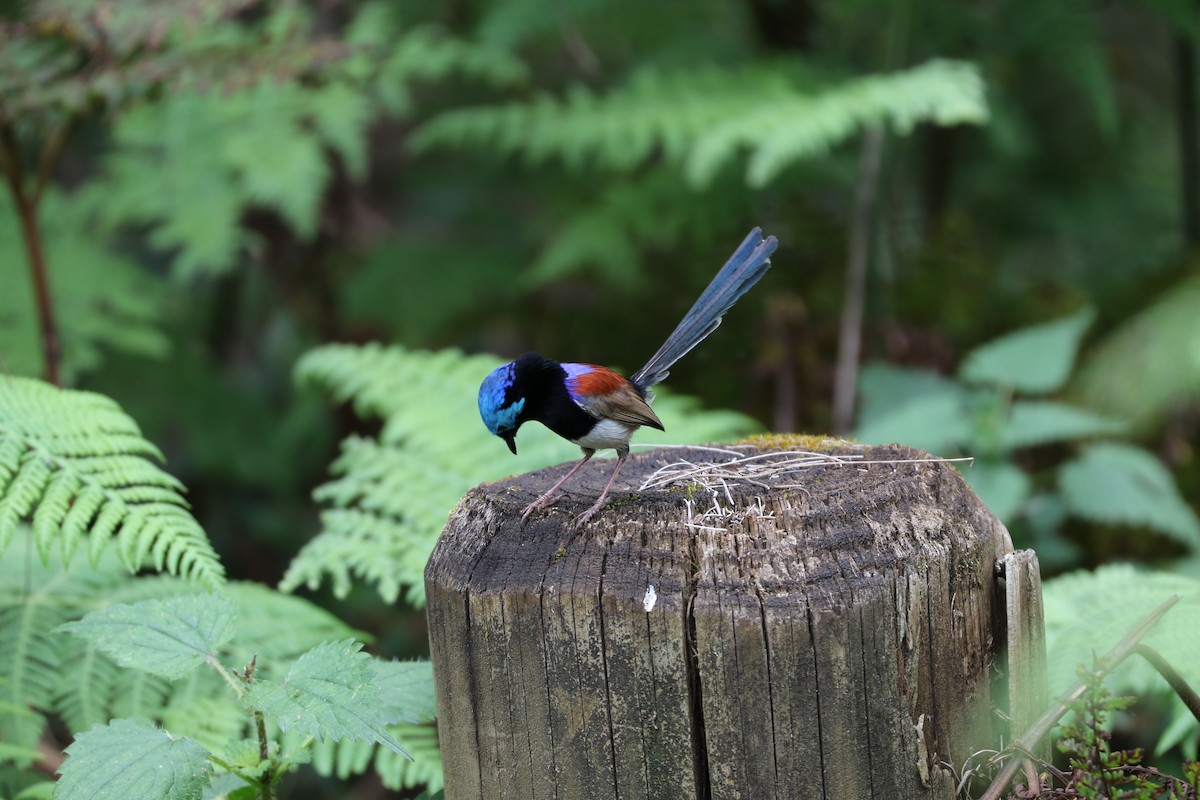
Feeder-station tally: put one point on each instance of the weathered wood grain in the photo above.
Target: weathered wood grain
(832, 635)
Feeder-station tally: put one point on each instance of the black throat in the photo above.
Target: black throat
(543, 384)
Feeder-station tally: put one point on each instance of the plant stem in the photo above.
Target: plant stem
(27, 209)
(850, 332)
(1186, 693)
(266, 779)
(238, 688)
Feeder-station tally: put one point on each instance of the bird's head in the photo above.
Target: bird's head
(501, 403)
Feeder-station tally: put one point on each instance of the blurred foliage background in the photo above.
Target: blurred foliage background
(212, 188)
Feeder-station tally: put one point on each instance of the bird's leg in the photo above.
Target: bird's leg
(585, 516)
(545, 498)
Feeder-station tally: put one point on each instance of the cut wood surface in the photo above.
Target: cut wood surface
(812, 632)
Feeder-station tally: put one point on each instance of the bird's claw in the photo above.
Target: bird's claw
(582, 519)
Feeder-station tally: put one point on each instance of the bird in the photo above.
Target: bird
(598, 408)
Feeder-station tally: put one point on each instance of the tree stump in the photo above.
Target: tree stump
(756, 631)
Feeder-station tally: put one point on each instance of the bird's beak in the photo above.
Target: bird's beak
(511, 441)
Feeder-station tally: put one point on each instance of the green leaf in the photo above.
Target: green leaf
(1035, 360)
(35, 598)
(1037, 422)
(1088, 612)
(331, 692)
(120, 313)
(407, 688)
(803, 125)
(1124, 485)
(127, 759)
(913, 407)
(76, 464)
(1002, 487)
(699, 119)
(1148, 364)
(168, 637)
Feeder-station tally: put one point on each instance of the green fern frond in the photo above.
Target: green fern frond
(425, 768)
(701, 119)
(391, 496)
(35, 598)
(348, 757)
(1089, 612)
(620, 130)
(75, 464)
(264, 145)
(781, 131)
(397, 56)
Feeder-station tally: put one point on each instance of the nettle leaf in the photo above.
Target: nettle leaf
(330, 692)
(1036, 422)
(1148, 364)
(407, 687)
(127, 759)
(1002, 487)
(168, 637)
(1035, 360)
(1124, 485)
(914, 407)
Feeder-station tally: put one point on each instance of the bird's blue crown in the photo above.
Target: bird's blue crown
(498, 411)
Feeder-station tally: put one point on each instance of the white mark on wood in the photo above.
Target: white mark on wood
(650, 599)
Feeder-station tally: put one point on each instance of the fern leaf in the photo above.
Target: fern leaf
(349, 757)
(617, 131)
(392, 496)
(119, 313)
(83, 468)
(802, 126)
(699, 120)
(1089, 612)
(35, 598)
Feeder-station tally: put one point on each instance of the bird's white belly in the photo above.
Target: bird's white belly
(608, 434)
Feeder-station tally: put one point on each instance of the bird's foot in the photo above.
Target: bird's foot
(529, 509)
(582, 519)
(536, 505)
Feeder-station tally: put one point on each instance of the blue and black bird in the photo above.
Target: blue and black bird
(595, 407)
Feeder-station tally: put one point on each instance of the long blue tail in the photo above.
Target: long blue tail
(743, 269)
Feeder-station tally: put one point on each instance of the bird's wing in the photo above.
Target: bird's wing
(606, 394)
